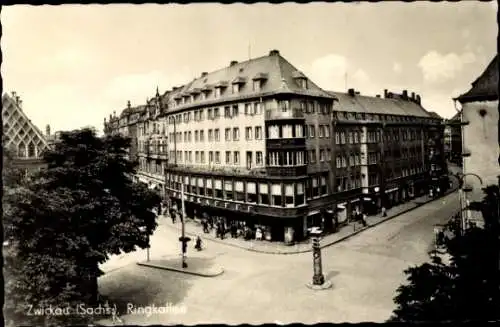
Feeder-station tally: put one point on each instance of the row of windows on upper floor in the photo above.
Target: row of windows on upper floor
(230, 134)
(343, 115)
(221, 90)
(250, 109)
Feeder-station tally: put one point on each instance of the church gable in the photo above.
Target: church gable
(19, 133)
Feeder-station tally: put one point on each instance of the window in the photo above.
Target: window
(227, 134)
(322, 155)
(251, 192)
(277, 199)
(303, 107)
(312, 131)
(218, 189)
(236, 88)
(248, 108)
(197, 157)
(327, 131)
(274, 132)
(248, 133)
(235, 111)
(227, 112)
(239, 192)
(312, 156)
(287, 131)
(263, 194)
(256, 85)
(210, 135)
(217, 157)
(321, 132)
(216, 113)
(274, 159)
(258, 132)
(257, 108)
(315, 187)
(228, 157)
(210, 114)
(299, 131)
(236, 134)
(202, 136)
(337, 138)
(249, 160)
(217, 135)
(284, 105)
(289, 195)
(210, 157)
(236, 157)
(202, 157)
(323, 189)
(258, 158)
(218, 92)
(189, 136)
(196, 137)
(299, 159)
(299, 195)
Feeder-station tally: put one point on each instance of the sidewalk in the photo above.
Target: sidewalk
(193, 228)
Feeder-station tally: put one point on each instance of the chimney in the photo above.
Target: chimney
(17, 99)
(114, 113)
(417, 98)
(351, 92)
(234, 62)
(128, 104)
(386, 93)
(174, 88)
(413, 95)
(204, 74)
(405, 94)
(274, 53)
(47, 129)
(20, 103)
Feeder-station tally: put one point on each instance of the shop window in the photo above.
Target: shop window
(263, 194)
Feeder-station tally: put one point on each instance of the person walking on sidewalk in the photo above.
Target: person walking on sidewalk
(384, 211)
(363, 219)
(172, 215)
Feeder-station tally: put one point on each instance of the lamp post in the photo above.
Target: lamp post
(461, 192)
(318, 280)
(183, 239)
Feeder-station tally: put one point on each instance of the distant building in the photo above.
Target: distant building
(480, 131)
(20, 135)
(258, 141)
(453, 139)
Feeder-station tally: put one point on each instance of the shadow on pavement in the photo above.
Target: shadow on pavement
(137, 286)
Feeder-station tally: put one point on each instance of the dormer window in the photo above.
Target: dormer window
(301, 79)
(258, 81)
(218, 92)
(219, 88)
(237, 83)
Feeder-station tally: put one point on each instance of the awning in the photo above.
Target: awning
(341, 206)
(392, 190)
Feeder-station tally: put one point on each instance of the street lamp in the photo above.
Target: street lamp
(318, 280)
(465, 188)
(183, 239)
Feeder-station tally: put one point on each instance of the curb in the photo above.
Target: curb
(151, 265)
(341, 239)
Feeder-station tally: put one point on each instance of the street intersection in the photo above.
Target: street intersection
(259, 288)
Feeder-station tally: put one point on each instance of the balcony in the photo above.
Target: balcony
(298, 142)
(277, 114)
(287, 171)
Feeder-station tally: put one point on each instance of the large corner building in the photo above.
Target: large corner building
(258, 141)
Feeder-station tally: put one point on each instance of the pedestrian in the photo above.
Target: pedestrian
(205, 226)
(172, 215)
(258, 234)
(384, 211)
(363, 219)
(197, 244)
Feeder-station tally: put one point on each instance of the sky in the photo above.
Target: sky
(73, 65)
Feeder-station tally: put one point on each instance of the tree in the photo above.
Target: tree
(71, 218)
(466, 288)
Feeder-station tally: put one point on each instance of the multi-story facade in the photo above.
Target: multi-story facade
(453, 139)
(20, 135)
(260, 142)
(480, 132)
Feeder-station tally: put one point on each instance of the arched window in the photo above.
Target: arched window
(21, 150)
(31, 150)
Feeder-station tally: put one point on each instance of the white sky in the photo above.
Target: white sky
(74, 64)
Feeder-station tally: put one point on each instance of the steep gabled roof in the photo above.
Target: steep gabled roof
(18, 130)
(485, 87)
(376, 105)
